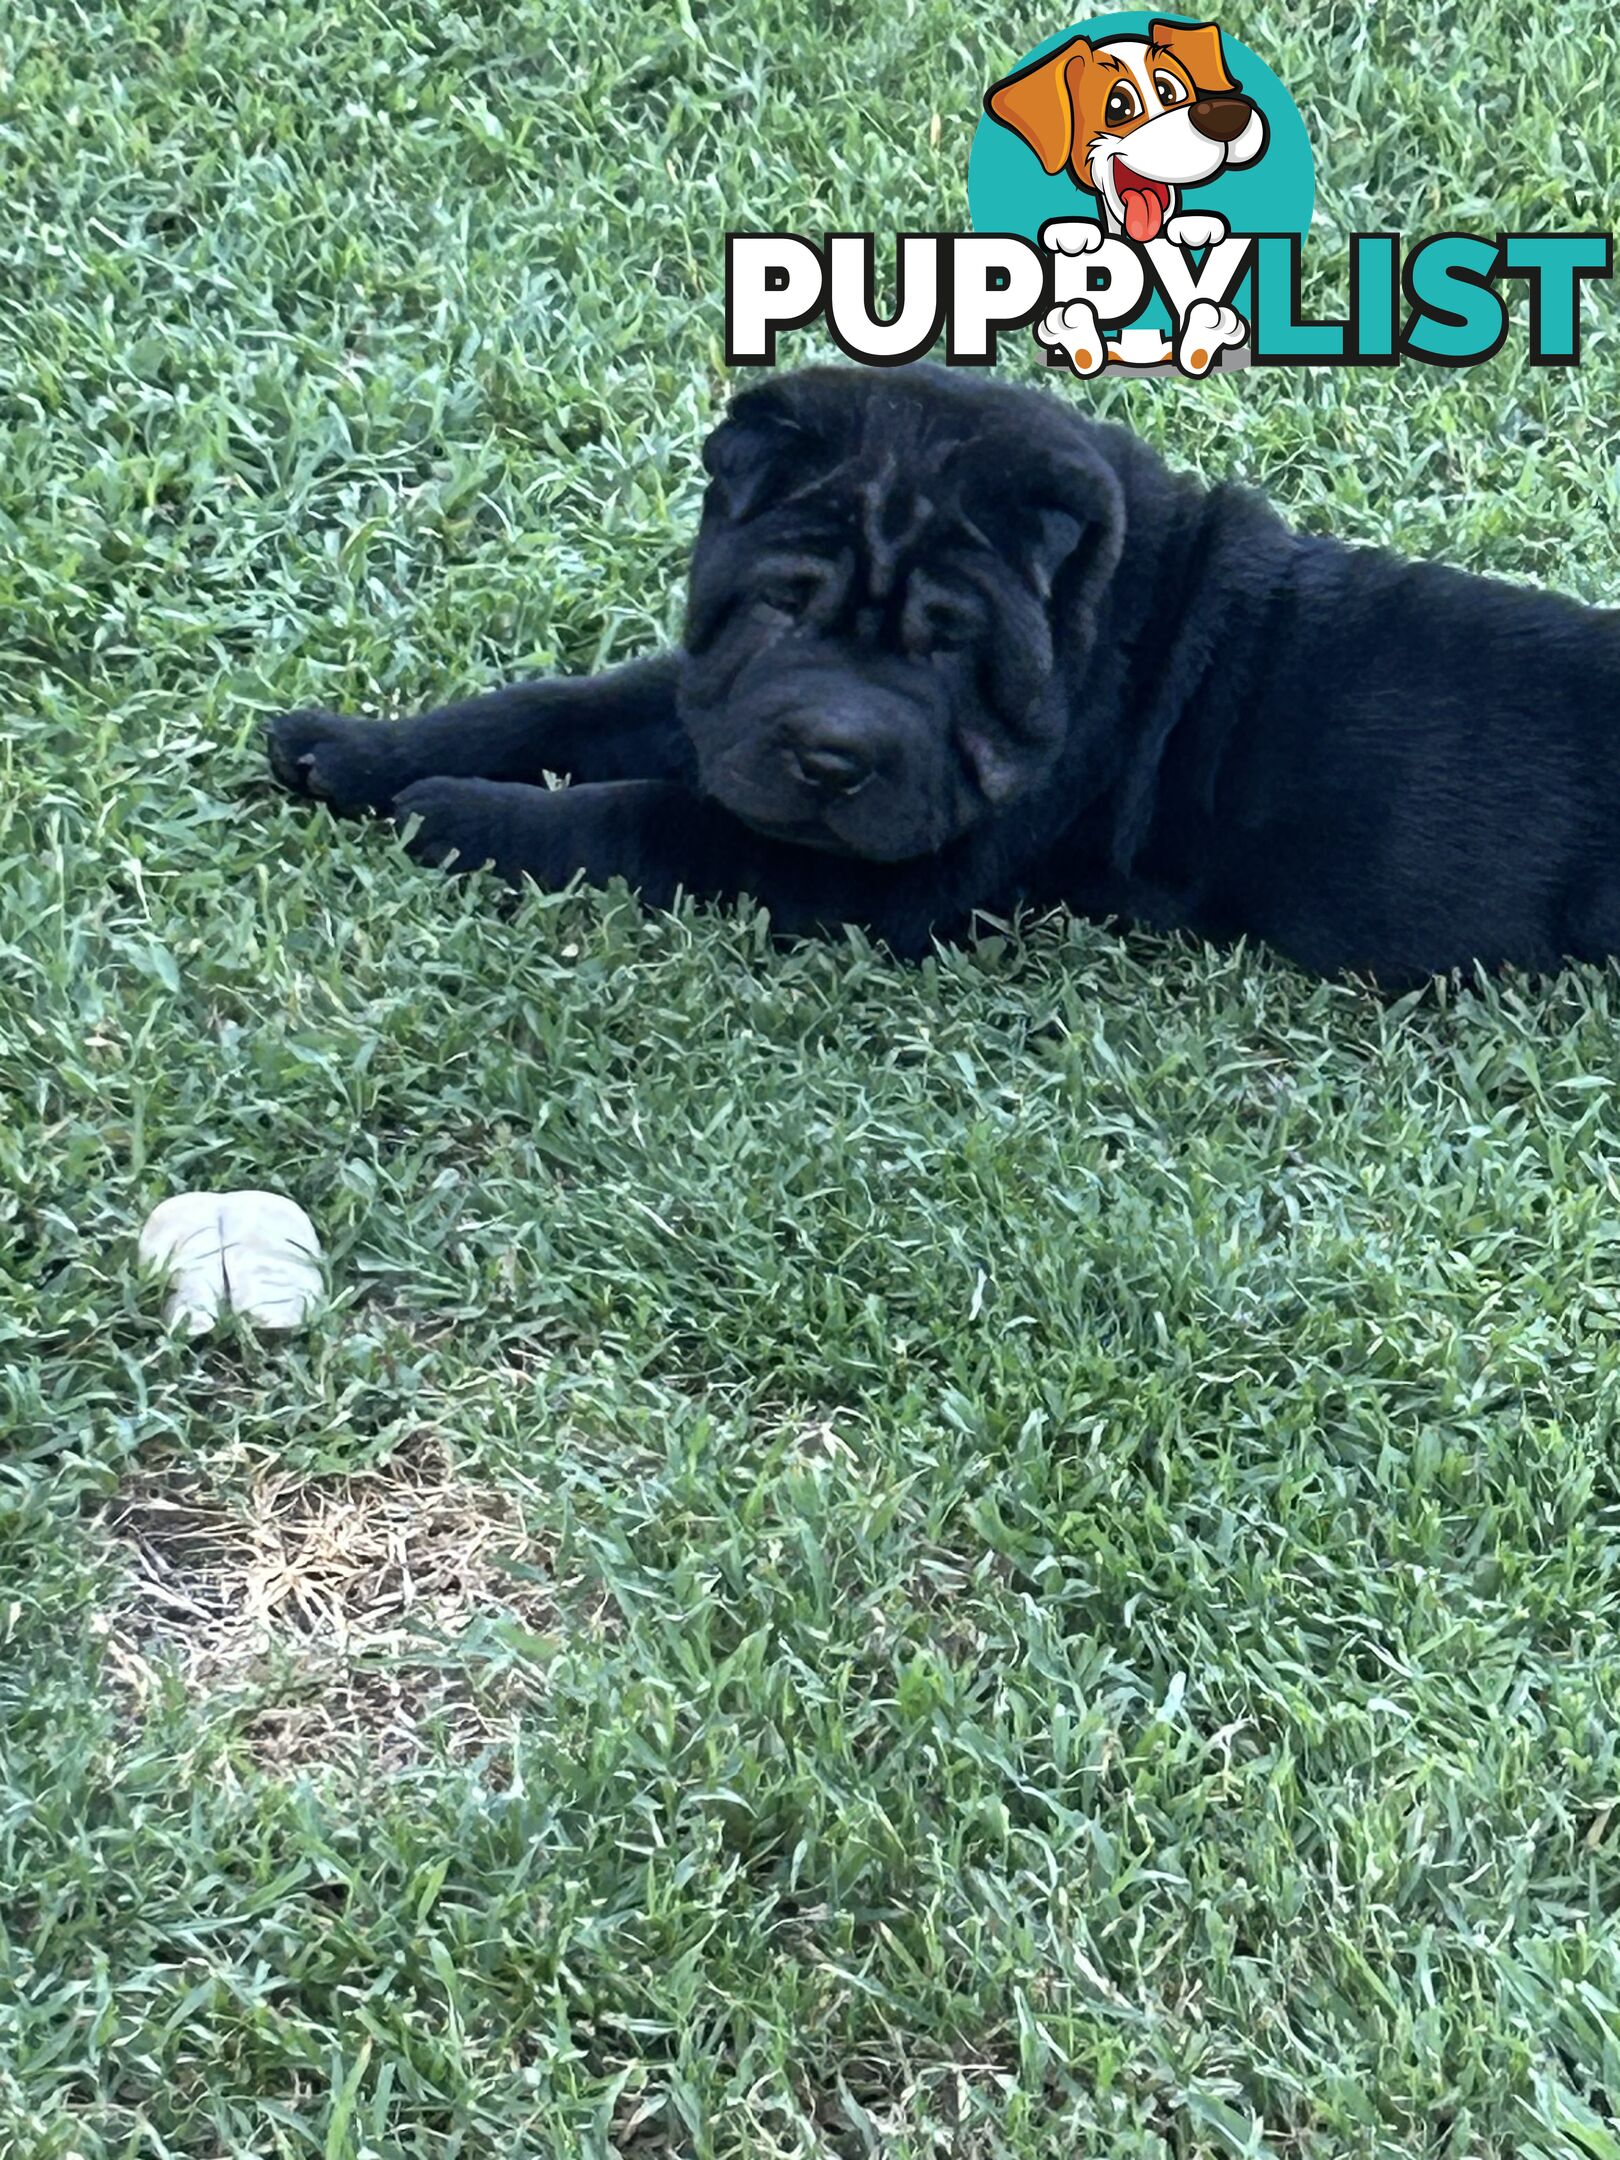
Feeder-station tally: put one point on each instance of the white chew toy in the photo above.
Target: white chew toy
(256, 1252)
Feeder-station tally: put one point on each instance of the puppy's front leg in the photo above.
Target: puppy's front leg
(634, 829)
(618, 726)
(663, 839)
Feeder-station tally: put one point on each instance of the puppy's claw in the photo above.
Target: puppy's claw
(438, 821)
(288, 746)
(350, 765)
(433, 854)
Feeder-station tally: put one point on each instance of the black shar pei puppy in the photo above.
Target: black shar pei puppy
(952, 645)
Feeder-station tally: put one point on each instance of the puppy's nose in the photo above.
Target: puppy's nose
(1222, 119)
(830, 768)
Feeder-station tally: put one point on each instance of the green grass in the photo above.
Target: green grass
(1072, 1498)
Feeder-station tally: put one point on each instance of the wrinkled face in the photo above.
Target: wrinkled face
(871, 638)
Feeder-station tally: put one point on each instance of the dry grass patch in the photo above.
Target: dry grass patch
(334, 1611)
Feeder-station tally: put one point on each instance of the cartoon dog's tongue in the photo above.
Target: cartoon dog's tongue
(1142, 214)
(1143, 201)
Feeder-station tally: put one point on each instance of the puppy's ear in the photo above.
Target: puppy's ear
(1051, 539)
(1060, 516)
(769, 439)
(1198, 47)
(1038, 102)
(1054, 520)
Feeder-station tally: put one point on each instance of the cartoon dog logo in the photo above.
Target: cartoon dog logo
(1138, 121)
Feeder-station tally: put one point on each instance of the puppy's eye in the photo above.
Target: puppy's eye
(1171, 90)
(786, 595)
(950, 632)
(1123, 104)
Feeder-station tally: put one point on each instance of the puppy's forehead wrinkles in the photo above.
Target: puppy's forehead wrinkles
(891, 518)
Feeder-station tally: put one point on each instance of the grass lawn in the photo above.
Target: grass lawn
(1015, 1558)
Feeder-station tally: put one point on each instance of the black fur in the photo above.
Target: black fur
(953, 646)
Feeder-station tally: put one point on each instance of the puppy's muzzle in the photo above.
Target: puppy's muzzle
(830, 768)
(833, 738)
(1221, 119)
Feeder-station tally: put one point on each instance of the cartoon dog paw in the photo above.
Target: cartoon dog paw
(1071, 236)
(1075, 330)
(1206, 331)
(1196, 229)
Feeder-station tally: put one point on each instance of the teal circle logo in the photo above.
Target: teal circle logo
(1132, 146)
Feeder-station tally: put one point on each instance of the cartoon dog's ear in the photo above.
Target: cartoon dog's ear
(1038, 102)
(1198, 47)
(767, 438)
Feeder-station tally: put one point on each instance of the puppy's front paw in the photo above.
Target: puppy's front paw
(350, 765)
(463, 825)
